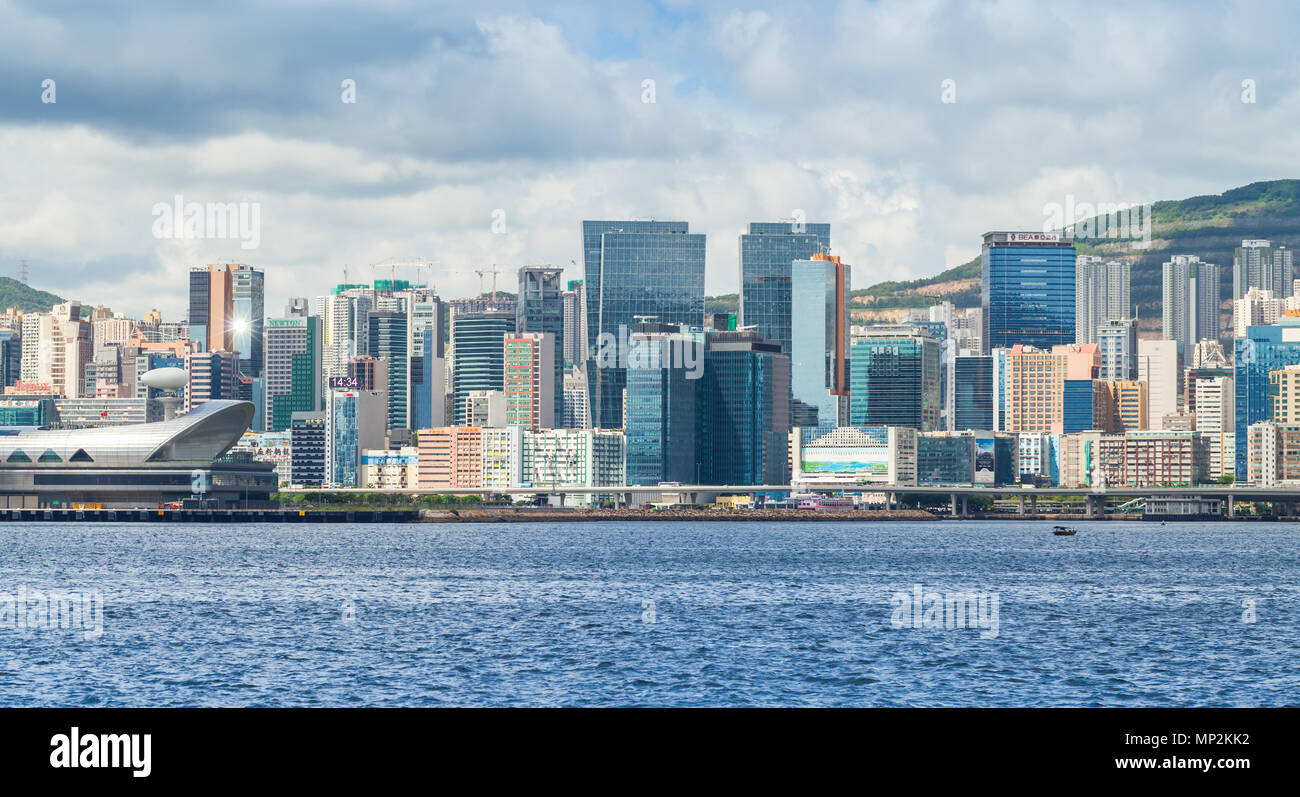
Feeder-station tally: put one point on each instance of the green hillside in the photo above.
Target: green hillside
(26, 298)
(1210, 227)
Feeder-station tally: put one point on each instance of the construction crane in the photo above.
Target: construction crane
(494, 271)
(419, 264)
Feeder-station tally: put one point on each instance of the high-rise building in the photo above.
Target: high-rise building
(355, 422)
(576, 414)
(972, 379)
(369, 374)
(387, 339)
(743, 410)
(248, 301)
(819, 343)
(308, 447)
(485, 408)
(451, 456)
(575, 325)
(478, 355)
(11, 357)
(529, 380)
(662, 414)
(1035, 384)
(1215, 422)
(1101, 289)
(227, 307)
(1028, 289)
(635, 271)
(1190, 303)
(767, 253)
(1121, 406)
(291, 369)
(1259, 264)
(428, 385)
(894, 377)
(213, 375)
(1265, 349)
(1160, 366)
(1118, 342)
(540, 309)
(56, 347)
(1256, 307)
(575, 457)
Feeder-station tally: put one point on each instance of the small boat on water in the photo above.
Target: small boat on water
(1064, 531)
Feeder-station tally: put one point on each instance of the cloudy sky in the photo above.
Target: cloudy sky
(536, 116)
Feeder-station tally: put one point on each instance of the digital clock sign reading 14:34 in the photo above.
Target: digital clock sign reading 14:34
(344, 383)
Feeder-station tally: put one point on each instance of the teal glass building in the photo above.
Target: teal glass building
(894, 378)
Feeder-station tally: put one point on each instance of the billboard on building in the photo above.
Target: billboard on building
(985, 460)
(846, 459)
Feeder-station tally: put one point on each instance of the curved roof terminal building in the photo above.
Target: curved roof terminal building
(139, 465)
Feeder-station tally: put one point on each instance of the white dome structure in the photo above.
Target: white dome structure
(166, 378)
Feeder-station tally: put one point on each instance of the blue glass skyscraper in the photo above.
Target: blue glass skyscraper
(661, 416)
(1028, 289)
(972, 378)
(766, 254)
(1264, 349)
(635, 271)
(819, 296)
(744, 410)
(478, 355)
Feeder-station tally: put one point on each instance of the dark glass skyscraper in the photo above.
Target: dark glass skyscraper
(541, 309)
(744, 410)
(972, 379)
(662, 407)
(894, 378)
(478, 355)
(1028, 289)
(766, 254)
(387, 338)
(635, 271)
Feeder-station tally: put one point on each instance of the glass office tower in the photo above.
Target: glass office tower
(540, 308)
(819, 298)
(635, 272)
(766, 254)
(249, 300)
(744, 410)
(1028, 289)
(972, 381)
(894, 378)
(661, 415)
(1264, 349)
(387, 338)
(478, 355)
